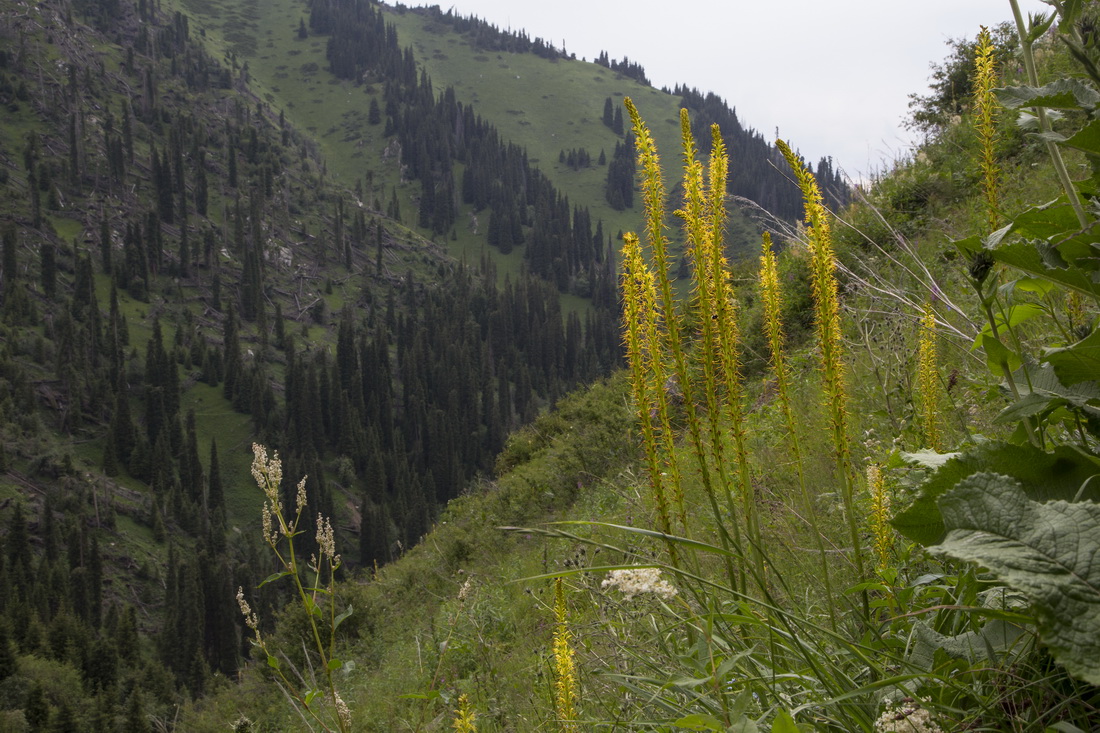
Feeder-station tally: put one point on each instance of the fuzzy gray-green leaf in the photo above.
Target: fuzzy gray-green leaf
(1050, 552)
(1062, 94)
(1060, 474)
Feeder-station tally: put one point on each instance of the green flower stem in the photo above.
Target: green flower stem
(1044, 121)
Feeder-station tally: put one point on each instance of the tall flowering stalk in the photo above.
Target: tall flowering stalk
(985, 110)
(984, 79)
(465, 720)
(647, 374)
(703, 216)
(827, 319)
(653, 196)
(279, 532)
(702, 223)
(565, 673)
(881, 531)
(928, 378)
(771, 297)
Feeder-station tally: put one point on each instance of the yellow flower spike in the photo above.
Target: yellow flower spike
(827, 317)
(718, 176)
(653, 195)
(565, 678)
(704, 246)
(646, 366)
(928, 378)
(465, 718)
(881, 532)
(653, 188)
(771, 297)
(985, 110)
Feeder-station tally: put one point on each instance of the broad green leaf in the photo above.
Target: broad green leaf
(698, 721)
(1014, 316)
(1044, 477)
(998, 356)
(1060, 94)
(1043, 393)
(987, 645)
(1051, 219)
(928, 458)
(1077, 363)
(272, 661)
(1050, 552)
(1071, 263)
(1039, 285)
(1086, 139)
(334, 664)
(1029, 405)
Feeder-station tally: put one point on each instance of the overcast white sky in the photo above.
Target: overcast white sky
(834, 76)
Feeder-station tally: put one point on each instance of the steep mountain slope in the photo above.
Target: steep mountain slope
(180, 276)
(548, 104)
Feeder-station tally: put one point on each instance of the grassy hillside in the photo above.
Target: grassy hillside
(774, 624)
(545, 106)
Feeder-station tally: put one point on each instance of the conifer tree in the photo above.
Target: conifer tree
(36, 709)
(48, 272)
(10, 261)
(136, 721)
(215, 496)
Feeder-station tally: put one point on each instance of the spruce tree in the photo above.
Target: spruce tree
(215, 494)
(10, 261)
(48, 272)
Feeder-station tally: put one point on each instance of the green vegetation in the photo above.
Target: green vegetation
(999, 641)
(852, 489)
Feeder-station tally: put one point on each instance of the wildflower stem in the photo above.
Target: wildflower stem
(827, 317)
(1044, 121)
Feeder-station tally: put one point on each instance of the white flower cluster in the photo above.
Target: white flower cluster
(250, 619)
(906, 716)
(636, 581)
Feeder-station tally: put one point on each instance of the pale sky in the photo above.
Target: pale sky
(834, 76)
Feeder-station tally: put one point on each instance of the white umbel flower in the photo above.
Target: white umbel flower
(906, 716)
(638, 581)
